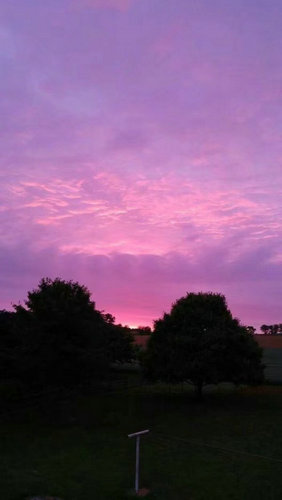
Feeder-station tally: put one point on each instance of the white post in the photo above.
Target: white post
(137, 436)
(137, 464)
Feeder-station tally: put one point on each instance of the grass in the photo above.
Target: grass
(78, 448)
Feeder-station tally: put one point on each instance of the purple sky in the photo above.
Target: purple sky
(141, 152)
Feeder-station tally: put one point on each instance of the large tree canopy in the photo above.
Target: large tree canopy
(65, 339)
(9, 345)
(200, 341)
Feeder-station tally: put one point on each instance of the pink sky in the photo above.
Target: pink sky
(141, 152)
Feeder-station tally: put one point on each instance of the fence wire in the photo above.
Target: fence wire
(167, 440)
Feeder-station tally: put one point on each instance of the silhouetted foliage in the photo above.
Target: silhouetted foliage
(59, 338)
(275, 329)
(251, 329)
(199, 341)
(143, 330)
(9, 344)
(108, 318)
(62, 335)
(120, 343)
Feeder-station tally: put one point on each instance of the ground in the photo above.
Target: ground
(227, 447)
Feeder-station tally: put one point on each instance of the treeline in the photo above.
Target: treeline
(275, 329)
(59, 338)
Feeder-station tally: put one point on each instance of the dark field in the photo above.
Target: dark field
(77, 449)
(272, 359)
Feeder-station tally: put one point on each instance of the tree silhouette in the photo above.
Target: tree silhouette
(199, 341)
(65, 339)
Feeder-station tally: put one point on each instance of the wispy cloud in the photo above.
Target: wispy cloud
(121, 5)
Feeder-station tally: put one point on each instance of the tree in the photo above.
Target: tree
(120, 343)
(120, 340)
(9, 344)
(251, 329)
(199, 341)
(64, 338)
(143, 330)
(275, 329)
(61, 304)
(63, 335)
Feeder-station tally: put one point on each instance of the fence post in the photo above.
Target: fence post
(137, 459)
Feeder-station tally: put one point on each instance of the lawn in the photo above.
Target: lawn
(78, 449)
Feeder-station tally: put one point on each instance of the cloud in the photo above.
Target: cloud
(113, 212)
(121, 5)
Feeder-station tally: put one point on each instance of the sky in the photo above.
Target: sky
(141, 152)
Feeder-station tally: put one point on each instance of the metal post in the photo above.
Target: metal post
(137, 436)
(137, 464)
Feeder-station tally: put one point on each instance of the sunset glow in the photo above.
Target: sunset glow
(142, 152)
